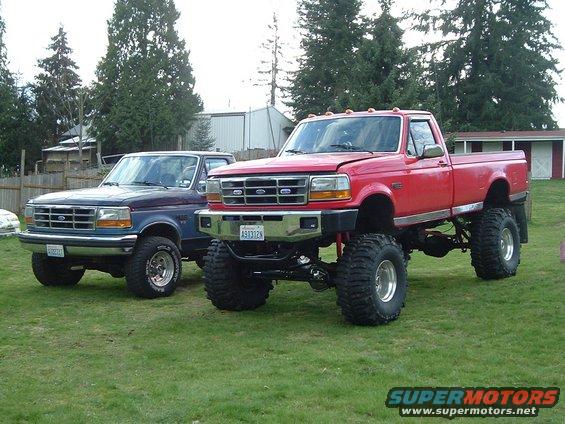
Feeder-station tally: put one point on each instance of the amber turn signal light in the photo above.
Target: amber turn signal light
(330, 195)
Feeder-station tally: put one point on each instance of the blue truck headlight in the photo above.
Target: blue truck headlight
(28, 215)
(113, 218)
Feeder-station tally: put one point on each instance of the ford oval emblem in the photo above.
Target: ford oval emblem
(237, 192)
(61, 218)
(260, 191)
(286, 191)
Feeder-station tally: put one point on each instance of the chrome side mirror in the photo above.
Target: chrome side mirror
(432, 151)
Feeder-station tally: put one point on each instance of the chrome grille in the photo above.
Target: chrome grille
(276, 190)
(65, 217)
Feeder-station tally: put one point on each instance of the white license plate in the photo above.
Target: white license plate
(55, 250)
(252, 233)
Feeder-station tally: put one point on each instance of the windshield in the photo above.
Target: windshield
(166, 171)
(362, 134)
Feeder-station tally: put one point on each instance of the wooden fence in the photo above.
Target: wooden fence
(15, 191)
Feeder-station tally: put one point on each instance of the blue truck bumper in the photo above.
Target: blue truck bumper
(79, 245)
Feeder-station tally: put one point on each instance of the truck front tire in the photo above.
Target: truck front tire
(495, 244)
(154, 268)
(371, 280)
(227, 286)
(54, 271)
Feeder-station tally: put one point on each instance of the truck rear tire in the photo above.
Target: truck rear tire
(371, 280)
(54, 271)
(225, 283)
(154, 268)
(495, 244)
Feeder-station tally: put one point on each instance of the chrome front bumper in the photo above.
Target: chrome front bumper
(79, 245)
(286, 226)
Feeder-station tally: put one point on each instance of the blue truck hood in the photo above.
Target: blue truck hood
(133, 196)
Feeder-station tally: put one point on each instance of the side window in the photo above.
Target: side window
(212, 163)
(419, 136)
(209, 164)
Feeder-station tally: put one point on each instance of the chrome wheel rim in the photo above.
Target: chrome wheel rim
(385, 280)
(161, 269)
(506, 244)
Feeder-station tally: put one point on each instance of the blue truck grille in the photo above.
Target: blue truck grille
(277, 190)
(65, 217)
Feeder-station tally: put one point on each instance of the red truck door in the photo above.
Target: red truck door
(430, 181)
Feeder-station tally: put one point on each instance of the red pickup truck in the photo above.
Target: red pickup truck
(380, 184)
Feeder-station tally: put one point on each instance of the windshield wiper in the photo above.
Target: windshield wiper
(110, 183)
(351, 148)
(296, 152)
(149, 183)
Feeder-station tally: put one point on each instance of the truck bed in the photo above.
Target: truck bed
(473, 174)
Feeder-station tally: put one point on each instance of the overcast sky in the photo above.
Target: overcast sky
(223, 36)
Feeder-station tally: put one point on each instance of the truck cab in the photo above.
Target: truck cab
(377, 184)
(138, 223)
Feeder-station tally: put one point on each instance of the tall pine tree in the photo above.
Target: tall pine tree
(330, 33)
(56, 89)
(145, 89)
(494, 68)
(385, 73)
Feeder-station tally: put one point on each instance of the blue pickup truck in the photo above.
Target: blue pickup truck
(139, 223)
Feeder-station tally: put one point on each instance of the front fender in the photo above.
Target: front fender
(142, 221)
(372, 189)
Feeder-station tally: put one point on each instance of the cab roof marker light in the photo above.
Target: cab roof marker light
(328, 113)
(311, 115)
(371, 110)
(395, 109)
(348, 111)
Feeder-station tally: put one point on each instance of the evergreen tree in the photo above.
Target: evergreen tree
(526, 66)
(330, 34)
(202, 138)
(56, 89)
(494, 67)
(145, 88)
(385, 74)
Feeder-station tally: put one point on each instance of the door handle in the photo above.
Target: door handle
(442, 163)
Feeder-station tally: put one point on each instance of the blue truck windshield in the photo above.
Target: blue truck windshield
(362, 134)
(149, 170)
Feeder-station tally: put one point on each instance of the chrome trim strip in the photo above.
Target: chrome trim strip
(26, 236)
(471, 207)
(422, 217)
(518, 196)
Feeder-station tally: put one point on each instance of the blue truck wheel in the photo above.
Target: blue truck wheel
(154, 268)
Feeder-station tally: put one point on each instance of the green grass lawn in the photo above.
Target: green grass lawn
(94, 353)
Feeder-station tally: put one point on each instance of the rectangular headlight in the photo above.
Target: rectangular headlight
(330, 188)
(28, 215)
(213, 190)
(113, 218)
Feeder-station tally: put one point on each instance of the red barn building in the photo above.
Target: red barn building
(545, 150)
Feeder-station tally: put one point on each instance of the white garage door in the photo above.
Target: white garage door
(459, 148)
(541, 159)
(492, 146)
